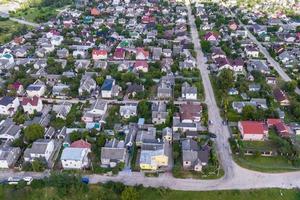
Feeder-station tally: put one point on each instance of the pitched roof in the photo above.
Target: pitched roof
(190, 110)
(98, 52)
(253, 127)
(6, 100)
(142, 51)
(273, 121)
(108, 84)
(32, 101)
(141, 63)
(279, 95)
(119, 53)
(81, 144)
(71, 153)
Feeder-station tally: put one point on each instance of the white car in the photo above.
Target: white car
(28, 179)
(13, 180)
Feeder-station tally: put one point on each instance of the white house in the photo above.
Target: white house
(128, 110)
(107, 88)
(9, 156)
(252, 51)
(41, 148)
(74, 158)
(32, 104)
(188, 92)
(57, 40)
(98, 107)
(87, 84)
(38, 89)
(9, 130)
(9, 105)
(99, 54)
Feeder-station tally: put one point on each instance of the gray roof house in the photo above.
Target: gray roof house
(62, 109)
(165, 87)
(41, 148)
(145, 136)
(159, 112)
(87, 84)
(194, 157)
(188, 92)
(9, 130)
(9, 156)
(112, 153)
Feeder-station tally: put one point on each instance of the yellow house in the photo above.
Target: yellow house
(153, 156)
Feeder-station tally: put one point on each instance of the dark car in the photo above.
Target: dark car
(212, 135)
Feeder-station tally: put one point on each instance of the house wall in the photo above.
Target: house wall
(106, 93)
(48, 152)
(190, 96)
(161, 160)
(4, 110)
(4, 164)
(255, 137)
(37, 93)
(30, 109)
(76, 164)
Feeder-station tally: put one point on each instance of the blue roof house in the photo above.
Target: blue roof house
(107, 88)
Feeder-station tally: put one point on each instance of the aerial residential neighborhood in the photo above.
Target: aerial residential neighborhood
(182, 95)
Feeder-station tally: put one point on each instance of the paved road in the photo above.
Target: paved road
(217, 127)
(270, 59)
(235, 176)
(109, 101)
(265, 52)
(21, 21)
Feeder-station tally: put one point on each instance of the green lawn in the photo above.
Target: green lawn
(101, 193)
(265, 164)
(8, 29)
(36, 14)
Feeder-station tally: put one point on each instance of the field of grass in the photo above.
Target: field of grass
(266, 164)
(36, 14)
(8, 29)
(104, 193)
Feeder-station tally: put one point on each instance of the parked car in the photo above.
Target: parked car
(13, 180)
(28, 179)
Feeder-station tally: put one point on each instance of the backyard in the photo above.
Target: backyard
(9, 29)
(35, 14)
(266, 164)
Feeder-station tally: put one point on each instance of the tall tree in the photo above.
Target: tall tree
(33, 132)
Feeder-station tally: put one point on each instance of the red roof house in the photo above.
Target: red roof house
(253, 130)
(211, 36)
(95, 12)
(16, 86)
(30, 105)
(141, 65)
(81, 144)
(190, 112)
(281, 97)
(271, 122)
(119, 54)
(232, 25)
(282, 129)
(99, 54)
(148, 19)
(141, 54)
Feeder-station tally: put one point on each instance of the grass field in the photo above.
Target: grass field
(7, 30)
(265, 164)
(36, 14)
(101, 193)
